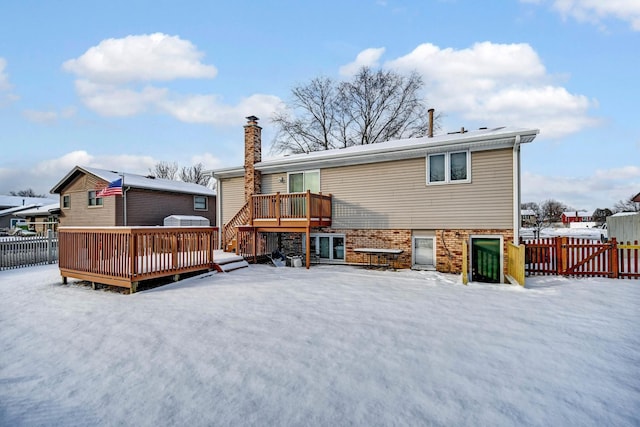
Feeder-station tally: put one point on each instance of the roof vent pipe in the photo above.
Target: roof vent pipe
(430, 131)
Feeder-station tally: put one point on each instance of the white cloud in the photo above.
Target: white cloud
(49, 117)
(143, 58)
(594, 11)
(210, 109)
(4, 77)
(208, 160)
(114, 79)
(5, 86)
(366, 58)
(602, 189)
(113, 100)
(496, 85)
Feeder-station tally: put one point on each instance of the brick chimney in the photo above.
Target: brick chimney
(252, 155)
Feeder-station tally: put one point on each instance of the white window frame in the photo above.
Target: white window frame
(316, 237)
(66, 197)
(447, 168)
(304, 176)
(99, 201)
(206, 203)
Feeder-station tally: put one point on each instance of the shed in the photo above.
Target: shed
(624, 226)
(186, 221)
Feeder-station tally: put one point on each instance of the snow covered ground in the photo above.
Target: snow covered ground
(329, 346)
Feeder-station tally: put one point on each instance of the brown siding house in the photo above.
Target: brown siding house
(145, 200)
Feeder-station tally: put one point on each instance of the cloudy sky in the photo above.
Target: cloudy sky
(124, 85)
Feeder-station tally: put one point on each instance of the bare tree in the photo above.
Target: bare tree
(315, 127)
(627, 205)
(165, 170)
(600, 215)
(195, 174)
(552, 210)
(375, 106)
(26, 193)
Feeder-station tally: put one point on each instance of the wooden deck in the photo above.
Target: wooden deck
(125, 256)
(275, 213)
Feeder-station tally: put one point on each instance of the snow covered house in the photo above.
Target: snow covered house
(145, 200)
(419, 197)
(575, 216)
(10, 205)
(40, 218)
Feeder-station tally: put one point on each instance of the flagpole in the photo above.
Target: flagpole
(124, 199)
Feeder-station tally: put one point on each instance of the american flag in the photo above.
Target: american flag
(114, 188)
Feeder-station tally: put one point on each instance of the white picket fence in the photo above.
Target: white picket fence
(22, 251)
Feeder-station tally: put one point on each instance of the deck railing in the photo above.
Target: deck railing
(275, 210)
(124, 256)
(291, 206)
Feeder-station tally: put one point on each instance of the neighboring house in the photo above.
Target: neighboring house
(423, 196)
(146, 200)
(9, 205)
(636, 198)
(569, 217)
(40, 218)
(528, 218)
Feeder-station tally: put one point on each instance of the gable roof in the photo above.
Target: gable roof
(136, 181)
(14, 201)
(572, 214)
(45, 210)
(13, 210)
(479, 140)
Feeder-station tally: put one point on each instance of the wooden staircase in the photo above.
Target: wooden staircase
(230, 229)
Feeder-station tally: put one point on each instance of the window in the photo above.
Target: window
(200, 203)
(93, 199)
(300, 182)
(66, 202)
(328, 247)
(448, 168)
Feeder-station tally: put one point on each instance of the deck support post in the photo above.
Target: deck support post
(308, 243)
(134, 287)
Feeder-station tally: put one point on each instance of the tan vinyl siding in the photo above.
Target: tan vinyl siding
(232, 193)
(395, 195)
(80, 213)
(271, 183)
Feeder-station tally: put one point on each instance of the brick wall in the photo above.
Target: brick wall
(448, 245)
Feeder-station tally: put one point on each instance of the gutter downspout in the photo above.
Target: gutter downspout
(218, 209)
(516, 190)
(124, 201)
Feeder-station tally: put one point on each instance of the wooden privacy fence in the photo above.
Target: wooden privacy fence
(22, 251)
(582, 257)
(124, 256)
(515, 263)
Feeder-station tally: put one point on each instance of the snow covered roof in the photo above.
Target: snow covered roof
(39, 210)
(13, 201)
(136, 181)
(572, 214)
(527, 212)
(626, 213)
(483, 139)
(15, 209)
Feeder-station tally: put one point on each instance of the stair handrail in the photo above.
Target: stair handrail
(230, 229)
